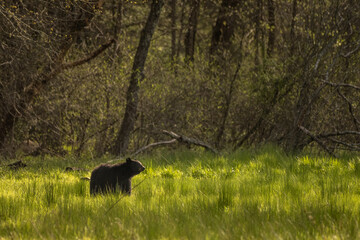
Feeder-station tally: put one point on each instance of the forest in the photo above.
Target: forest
(111, 77)
(244, 116)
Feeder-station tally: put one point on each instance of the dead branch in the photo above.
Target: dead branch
(187, 140)
(341, 85)
(90, 57)
(352, 52)
(321, 144)
(347, 146)
(355, 120)
(154, 145)
(34, 87)
(176, 138)
(334, 134)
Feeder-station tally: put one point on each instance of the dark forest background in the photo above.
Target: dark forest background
(108, 76)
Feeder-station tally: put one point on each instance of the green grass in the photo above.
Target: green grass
(261, 194)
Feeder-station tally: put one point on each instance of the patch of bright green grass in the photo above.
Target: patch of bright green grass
(249, 194)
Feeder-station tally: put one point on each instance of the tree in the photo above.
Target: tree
(285, 72)
(36, 38)
(224, 27)
(190, 36)
(271, 19)
(137, 75)
(173, 29)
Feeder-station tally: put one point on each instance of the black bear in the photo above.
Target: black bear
(112, 177)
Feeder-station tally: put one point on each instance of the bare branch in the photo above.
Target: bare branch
(348, 146)
(321, 144)
(44, 78)
(187, 140)
(7, 62)
(154, 145)
(90, 57)
(352, 52)
(355, 120)
(334, 134)
(341, 85)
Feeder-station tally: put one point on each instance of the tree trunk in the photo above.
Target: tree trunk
(6, 125)
(179, 39)
(191, 33)
(122, 140)
(257, 31)
(225, 113)
(292, 29)
(173, 30)
(224, 26)
(271, 19)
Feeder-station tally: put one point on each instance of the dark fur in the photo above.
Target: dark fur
(112, 177)
(17, 165)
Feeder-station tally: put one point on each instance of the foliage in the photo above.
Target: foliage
(257, 83)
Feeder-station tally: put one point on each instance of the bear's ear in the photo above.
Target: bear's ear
(128, 160)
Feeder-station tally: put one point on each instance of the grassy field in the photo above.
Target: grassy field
(262, 194)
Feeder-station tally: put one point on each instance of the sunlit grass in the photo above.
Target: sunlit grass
(260, 194)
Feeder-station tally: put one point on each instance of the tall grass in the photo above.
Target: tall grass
(249, 194)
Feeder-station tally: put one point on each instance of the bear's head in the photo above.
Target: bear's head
(135, 166)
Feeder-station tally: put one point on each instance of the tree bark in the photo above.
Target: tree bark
(271, 19)
(122, 140)
(225, 113)
(179, 39)
(173, 30)
(292, 28)
(191, 33)
(257, 32)
(224, 26)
